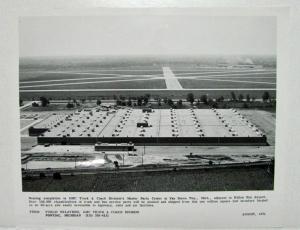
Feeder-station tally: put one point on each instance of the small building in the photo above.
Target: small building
(147, 110)
(142, 124)
(32, 131)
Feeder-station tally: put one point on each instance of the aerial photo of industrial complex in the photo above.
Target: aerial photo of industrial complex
(146, 117)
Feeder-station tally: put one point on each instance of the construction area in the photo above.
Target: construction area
(149, 127)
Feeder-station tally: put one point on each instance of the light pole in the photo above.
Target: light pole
(143, 153)
(142, 159)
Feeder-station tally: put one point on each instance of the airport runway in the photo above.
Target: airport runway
(170, 79)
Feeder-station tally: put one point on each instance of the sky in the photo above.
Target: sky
(147, 35)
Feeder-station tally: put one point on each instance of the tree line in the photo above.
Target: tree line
(144, 100)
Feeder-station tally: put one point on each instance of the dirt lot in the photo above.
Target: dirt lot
(27, 142)
(265, 121)
(26, 122)
(238, 179)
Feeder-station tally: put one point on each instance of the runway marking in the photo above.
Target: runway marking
(91, 72)
(109, 70)
(125, 76)
(85, 78)
(199, 74)
(228, 75)
(234, 77)
(89, 78)
(170, 79)
(91, 82)
(226, 72)
(254, 82)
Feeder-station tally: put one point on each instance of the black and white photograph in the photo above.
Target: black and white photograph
(170, 102)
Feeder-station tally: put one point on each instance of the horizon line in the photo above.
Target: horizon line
(144, 55)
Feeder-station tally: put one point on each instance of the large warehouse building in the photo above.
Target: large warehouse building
(149, 127)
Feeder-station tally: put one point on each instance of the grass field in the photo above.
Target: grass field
(257, 178)
(215, 84)
(224, 72)
(140, 84)
(100, 74)
(121, 77)
(62, 79)
(56, 78)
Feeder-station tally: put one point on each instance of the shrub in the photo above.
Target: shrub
(203, 98)
(190, 98)
(56, 176)
(70, 105)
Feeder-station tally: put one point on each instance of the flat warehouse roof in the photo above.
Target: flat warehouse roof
(161, 123)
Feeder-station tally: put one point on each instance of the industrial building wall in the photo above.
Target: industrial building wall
(158, 140)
